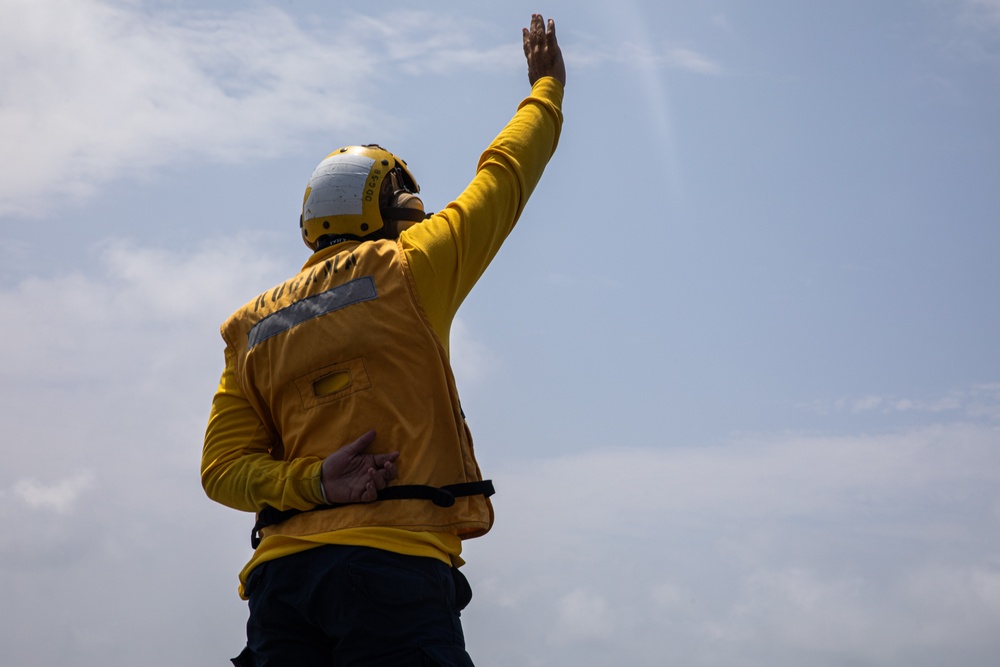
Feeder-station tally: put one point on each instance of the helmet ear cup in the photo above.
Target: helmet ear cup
(399, 200)
(408, 200)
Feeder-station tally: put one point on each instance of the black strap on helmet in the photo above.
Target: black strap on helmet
(328, 240)
(443, 496)
(402, 213)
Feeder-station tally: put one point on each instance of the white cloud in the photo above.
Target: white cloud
(641, 50)
(781, 551)
(793, 549)
(974, 402)
(147, 304)
(645, 55)
(111, 371)
(786, 477)
(471, 360)
(968, 595)
(144, 319)
(804, 610)
(692, 61)
(582, 615)
(984, 402)
(422, 43)
(61, 496)
(95, 90)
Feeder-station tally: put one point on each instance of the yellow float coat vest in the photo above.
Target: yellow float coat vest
(345, 346)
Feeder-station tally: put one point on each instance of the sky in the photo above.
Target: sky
(735, 373)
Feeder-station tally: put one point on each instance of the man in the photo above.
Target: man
(357, 546)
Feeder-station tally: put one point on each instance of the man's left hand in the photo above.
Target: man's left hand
(351, 476)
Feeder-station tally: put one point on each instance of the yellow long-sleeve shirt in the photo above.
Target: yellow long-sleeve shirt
(447, 254)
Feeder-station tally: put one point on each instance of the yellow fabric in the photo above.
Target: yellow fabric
(446, 255)
(398, 381)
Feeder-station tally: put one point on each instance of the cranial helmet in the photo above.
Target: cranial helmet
(354, 191)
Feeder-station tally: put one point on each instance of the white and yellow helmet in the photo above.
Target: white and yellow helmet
(353, 191)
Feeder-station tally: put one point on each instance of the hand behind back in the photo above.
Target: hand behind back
(351, 476)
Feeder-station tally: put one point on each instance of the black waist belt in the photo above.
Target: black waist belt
(442, 496)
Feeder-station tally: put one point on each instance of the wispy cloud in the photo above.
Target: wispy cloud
(721, 21)
(643, 55)
(978, 24)
(422, 43)
(61, 496)
(976, 402)
(821, 551)
(692, 61)
(140, 305)
(793, 549)
(472, 360)
(96, 90)
(582, 615)
(986, 11)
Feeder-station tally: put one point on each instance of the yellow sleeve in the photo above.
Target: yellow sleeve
(449, 251)
(237, 468)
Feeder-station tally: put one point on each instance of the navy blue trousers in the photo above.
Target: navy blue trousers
(341, 606)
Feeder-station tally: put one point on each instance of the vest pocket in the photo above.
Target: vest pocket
(332, 383)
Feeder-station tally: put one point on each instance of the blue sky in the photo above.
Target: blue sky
(734, 374)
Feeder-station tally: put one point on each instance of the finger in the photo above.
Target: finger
(382, 460)
(359, 445)
(390, 471)
(532, 33)
(377, 478)
(537, 23)
(385, 472)
(550, 34)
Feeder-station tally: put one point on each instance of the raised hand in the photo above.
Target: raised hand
(542, 51)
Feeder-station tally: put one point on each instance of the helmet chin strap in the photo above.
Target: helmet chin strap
(328, 240)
